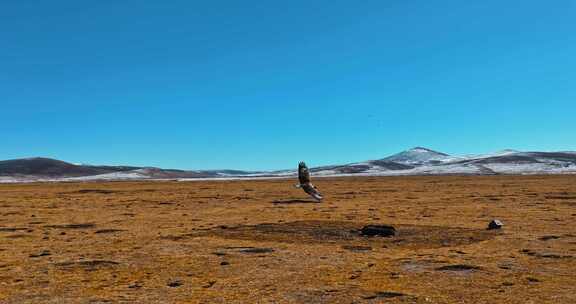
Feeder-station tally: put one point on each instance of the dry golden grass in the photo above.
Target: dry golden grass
(264, 242)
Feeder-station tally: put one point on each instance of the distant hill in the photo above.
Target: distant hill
(46, 167)
(415, 161)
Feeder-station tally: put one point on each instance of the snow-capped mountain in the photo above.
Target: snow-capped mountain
(415, 161)
(421, 161)
(417, 156)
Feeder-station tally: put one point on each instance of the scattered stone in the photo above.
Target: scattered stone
(89, 265)
(175, 283)
(72, 226)
(10, 229)
(109, 230)
(495, 224)
(528, 252)
(135, 285)
(458, 267)
(209, 284)
(553, 256)
(17, 236)
(257, 250)
(98, 191)
(545, 255)
(549, 237)
(41, 254)
(385, 294)
(357, 248)
(378, 230)
(505, 266)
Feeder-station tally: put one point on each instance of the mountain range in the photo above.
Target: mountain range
(415, 161)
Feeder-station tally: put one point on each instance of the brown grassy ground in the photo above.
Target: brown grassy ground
(263, 242)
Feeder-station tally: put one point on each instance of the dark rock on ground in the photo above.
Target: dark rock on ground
(209, 284)
(88, 265)
(257, 250)
(174, 283)
(40, 254)
(385, 294)
(357, 248)
(495, 224)
(458, 267)
(545, 255)
(378, 230)
(549, 237)
(98, 191)
(109, 230)
(11, 229)
(72, 226)
(135, 285)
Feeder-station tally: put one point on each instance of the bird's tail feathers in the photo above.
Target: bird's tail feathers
(317, 196)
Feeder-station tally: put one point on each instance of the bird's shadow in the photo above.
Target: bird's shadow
(294, 201)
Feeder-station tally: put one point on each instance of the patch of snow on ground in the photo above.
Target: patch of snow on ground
(530, 168)
(9, 180)
(110, 176)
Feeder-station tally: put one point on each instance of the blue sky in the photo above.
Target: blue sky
(264, 84)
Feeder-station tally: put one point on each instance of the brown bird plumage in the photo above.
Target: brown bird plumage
(305, 184)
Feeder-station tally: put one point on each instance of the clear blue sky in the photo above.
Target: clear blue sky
(264, 84)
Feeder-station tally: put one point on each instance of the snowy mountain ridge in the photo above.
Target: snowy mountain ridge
(415, 161)
(417, 155)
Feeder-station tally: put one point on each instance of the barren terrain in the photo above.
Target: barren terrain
(266, 242)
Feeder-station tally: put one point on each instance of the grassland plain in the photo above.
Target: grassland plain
(265, 242)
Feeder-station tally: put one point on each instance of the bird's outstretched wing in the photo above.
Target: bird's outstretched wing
(303, 174)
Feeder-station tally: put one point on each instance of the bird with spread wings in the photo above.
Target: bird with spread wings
(305, 184)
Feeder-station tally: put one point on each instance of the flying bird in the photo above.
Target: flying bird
(305, 184)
